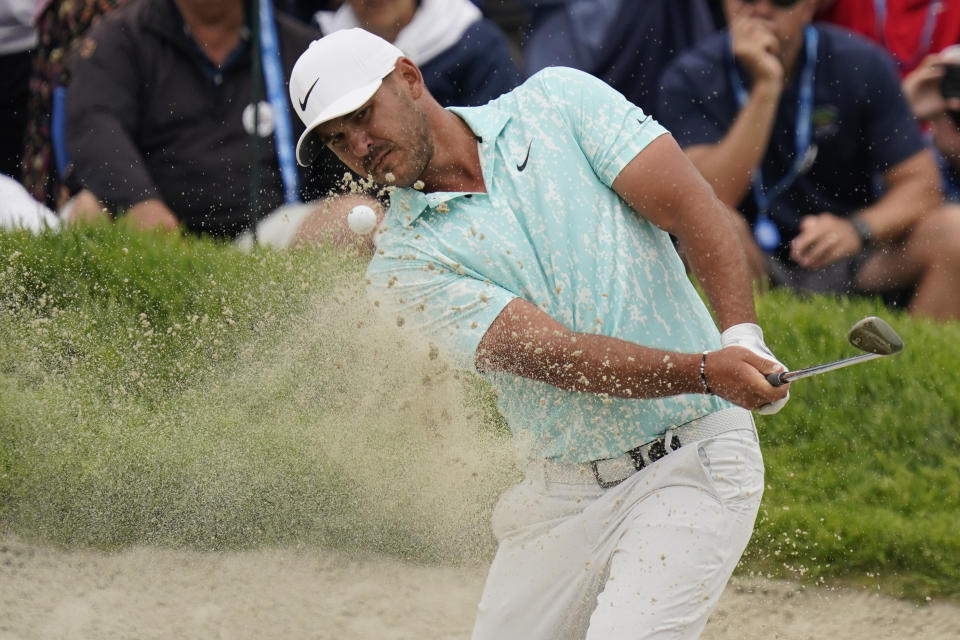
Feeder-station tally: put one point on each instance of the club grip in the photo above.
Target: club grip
(775, 379)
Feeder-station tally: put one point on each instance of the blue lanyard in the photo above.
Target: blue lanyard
(805, 153)
(926, 36)
(273, 74)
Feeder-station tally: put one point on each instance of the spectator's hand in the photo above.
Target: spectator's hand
(756, 47)
(739, 375)
(824, 239)
(84, 208)
(750, 336)
(921, 87)
(151, 214)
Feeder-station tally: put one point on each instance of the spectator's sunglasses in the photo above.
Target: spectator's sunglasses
(781, 4)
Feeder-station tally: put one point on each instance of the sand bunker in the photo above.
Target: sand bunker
(313, 593)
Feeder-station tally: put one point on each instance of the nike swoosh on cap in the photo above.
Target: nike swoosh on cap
(523, 165)
(303, 103)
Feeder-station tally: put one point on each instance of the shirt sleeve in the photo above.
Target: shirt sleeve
(102, 108)
(609, 129)
(436, 300)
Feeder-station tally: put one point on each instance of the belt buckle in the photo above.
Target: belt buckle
(600, 481)
(654, 450)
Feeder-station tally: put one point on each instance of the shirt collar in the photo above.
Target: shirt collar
(487, 124)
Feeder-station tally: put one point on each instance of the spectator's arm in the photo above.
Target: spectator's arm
(729, 164)
(913, 189)
(103, 104)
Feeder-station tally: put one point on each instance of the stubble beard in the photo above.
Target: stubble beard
(421, 153)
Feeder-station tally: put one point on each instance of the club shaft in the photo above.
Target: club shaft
(823, 368)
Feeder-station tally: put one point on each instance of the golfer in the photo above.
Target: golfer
(530, 237)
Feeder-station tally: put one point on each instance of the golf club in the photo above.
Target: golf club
(870, 334)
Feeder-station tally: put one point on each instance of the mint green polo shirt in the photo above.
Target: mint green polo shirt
(550, 230)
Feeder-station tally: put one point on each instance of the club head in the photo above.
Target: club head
(874, 335)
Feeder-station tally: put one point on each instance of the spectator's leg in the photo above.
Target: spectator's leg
(929, 260)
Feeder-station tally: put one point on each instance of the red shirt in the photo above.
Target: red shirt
(902, 34)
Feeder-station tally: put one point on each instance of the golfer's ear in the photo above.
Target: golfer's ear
(409, 75)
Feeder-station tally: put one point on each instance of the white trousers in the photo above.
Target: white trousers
(647, 558)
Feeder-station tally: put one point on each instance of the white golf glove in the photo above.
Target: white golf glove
(750, 336)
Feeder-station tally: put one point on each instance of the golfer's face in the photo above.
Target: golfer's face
(387, 138)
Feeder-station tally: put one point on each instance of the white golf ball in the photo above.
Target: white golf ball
(362, 219)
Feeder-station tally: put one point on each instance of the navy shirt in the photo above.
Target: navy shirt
(862, 126)
(473, 71)
(625, 43)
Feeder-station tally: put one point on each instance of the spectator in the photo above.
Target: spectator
(809, 135)
(909, 30)
(60, 24)
(17, 40)
(161, 112)
(623, 42)
(465, 58)
(916, 34)
(528, 236)
(937, 106)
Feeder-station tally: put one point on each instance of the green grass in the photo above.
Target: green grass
(862, 464)
(182, 393)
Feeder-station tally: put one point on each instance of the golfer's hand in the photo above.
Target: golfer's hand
(757, 48)
(824, 239)
(739, 375)
(750, 336)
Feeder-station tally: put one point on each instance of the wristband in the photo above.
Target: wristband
(863, 230)
(703, 373)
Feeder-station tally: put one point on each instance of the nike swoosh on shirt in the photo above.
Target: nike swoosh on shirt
(644, 120)
(523, 165)
(303, 103)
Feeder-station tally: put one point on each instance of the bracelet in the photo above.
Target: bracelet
(703, 373)
(863, 231)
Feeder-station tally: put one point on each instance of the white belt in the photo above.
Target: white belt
(609, 472)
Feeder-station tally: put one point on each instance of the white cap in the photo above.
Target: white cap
(335, 76)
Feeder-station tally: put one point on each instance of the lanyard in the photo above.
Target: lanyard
(273, 74)
(926, 36)
(805, 152)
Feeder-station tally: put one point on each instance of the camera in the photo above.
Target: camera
(950, 82)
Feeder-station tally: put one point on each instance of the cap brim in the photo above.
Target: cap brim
(309, 146)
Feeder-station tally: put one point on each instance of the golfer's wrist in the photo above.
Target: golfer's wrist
(684, 376)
